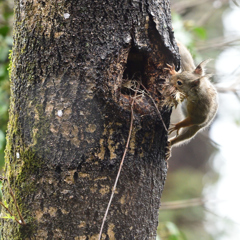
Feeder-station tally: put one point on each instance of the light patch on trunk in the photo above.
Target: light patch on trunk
(111, 233)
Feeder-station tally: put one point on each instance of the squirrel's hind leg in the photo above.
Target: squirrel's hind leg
(186, 134)
(184, 123)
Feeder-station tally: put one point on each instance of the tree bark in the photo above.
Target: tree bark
(70, 118)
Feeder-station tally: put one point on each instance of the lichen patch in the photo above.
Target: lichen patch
(42, 234)
(111, 233)
(70, 177)
(58, 34)
(64, 211)
(83, 175)
(122, 200)
(94, 188)
(80, 238)
(38, 215)
(52, 211)
(104, 189)
(101, 154)
(82, 224)
(94, 237)
(100, 178)
(57, 234)
(53, 128)
(49, 108)
(91, 128)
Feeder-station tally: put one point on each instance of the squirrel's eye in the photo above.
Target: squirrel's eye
(179, 82)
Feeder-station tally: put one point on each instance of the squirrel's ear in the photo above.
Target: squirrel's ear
(208, 75)
(195, 82)
(200, 68)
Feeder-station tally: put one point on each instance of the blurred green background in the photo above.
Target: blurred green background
(200, 199)
(6, 21)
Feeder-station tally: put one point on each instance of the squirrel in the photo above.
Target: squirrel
(201, 101)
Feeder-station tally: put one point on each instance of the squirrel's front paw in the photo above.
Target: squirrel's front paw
(170, 69)
(172, 129)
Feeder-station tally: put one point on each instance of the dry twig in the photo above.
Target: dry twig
(21, 221)
(160, 116)
(182, 204)
(120, 167)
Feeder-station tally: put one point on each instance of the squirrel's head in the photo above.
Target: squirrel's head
(187, 80)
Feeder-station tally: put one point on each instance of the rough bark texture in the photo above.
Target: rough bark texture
(69, 118)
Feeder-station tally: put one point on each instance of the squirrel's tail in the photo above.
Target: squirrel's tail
(185, 135)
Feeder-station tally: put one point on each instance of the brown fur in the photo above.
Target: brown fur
(201, 102)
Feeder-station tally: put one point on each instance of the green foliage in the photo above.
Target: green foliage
(200, 32)
(187, 31)
(6, 14)
(177, 188)
(183, 35)
(169, 231)
(0, 190)
(8, 216)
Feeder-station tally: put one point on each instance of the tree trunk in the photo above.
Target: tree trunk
(72, 65)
